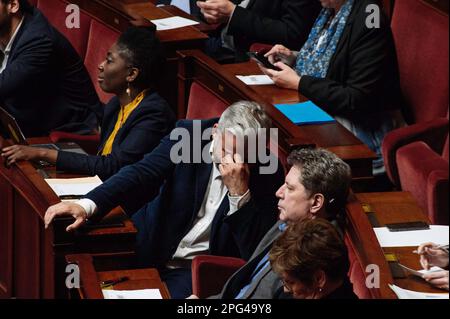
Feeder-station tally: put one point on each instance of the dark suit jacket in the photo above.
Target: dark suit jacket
(171, 209)
(45, 85)
(195, 11)
(286, 22)
(141, 133)
(363, 73)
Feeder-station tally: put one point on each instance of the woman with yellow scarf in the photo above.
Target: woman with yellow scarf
(134, 121)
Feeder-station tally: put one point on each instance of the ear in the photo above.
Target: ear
(320, 279)
(214, 129)
(134, 73)
(13, 6)
(318, 203)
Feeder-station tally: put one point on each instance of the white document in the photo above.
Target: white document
(132, 294)
(73, 186)
(255, 79)
(172, 23)
(436, 234)
(409, 294)
(420, 273)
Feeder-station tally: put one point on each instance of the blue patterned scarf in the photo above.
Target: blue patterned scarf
(315, 56)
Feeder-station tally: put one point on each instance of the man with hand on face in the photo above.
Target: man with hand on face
(264, 21)
(316, 186)
(220, 208)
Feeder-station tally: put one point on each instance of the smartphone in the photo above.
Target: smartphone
(262, 60)
(407, 226)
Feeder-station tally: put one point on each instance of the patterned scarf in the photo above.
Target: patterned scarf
(315, 56)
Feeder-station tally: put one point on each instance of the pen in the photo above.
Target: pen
(69, 196)
(112, 282)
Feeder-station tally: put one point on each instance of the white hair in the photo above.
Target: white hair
(244, 117)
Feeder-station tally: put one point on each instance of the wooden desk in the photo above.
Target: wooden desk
(32, 261)
(91, 277)
(396, 207)
(195, 66)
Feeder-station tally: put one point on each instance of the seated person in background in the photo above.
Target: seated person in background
(349, 69)
(434, 255)
(134, 121)
(250, 21)
(316, 186)
(210, 202)
(43, 82)
(312, 260)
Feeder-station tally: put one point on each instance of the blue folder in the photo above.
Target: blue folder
(304, 113)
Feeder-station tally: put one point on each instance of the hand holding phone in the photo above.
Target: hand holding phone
(262, 60)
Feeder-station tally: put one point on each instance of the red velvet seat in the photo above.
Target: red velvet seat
(210, 273)
(88, 143)
(421, 38)
(92, 50)
(203, 104)
(55, 11)
(101, 38)
(423, 171)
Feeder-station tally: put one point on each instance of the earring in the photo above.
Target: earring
(128, 90)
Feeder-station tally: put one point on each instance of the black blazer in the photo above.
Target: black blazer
(286, 22)
(45, 85)
(170, 211)
(363, 73)
(195, 11)
(140, 134)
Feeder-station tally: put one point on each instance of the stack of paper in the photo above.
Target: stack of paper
(413, 238)
(64, 187)
(409, 294)
(420, 273)
(172, 23)
(255, 79)
(132, 294)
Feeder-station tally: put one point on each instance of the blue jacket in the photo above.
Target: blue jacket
(169, 211)
(141, 133)
(45, 84)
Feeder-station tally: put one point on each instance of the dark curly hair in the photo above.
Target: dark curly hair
(140, 47)
(309, 246)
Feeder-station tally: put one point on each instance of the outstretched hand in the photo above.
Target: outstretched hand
(66, 209)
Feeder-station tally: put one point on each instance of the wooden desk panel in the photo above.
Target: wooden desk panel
(398, 207)
(32, 258)
(91, 277)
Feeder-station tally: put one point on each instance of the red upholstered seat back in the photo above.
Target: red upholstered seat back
(55, 11)
(356, 272)
(421, 38)
(446, 150)
(203, 104)
(101, 38)
(92, 40)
